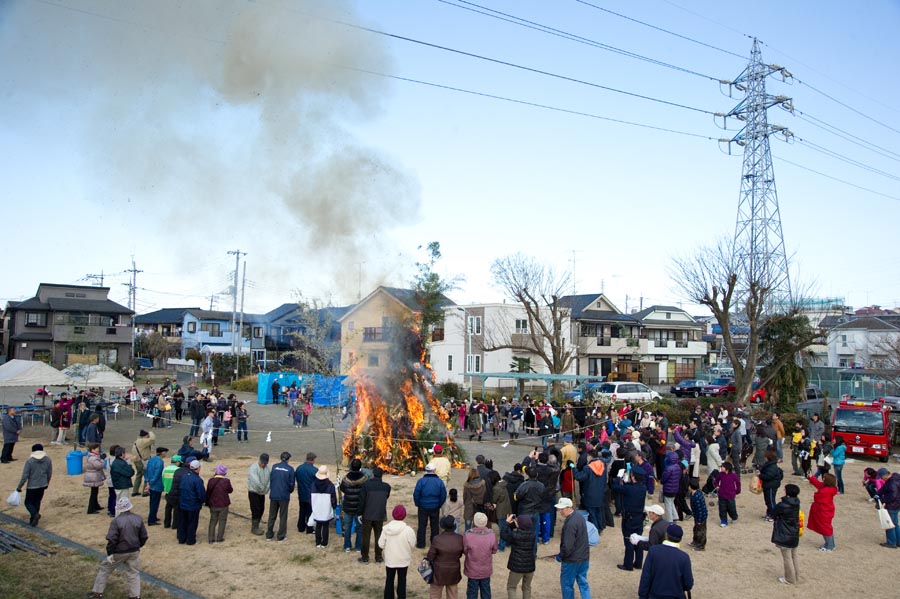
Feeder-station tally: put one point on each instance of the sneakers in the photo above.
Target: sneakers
(783, 580)
(363, 560)
(346, 550)
(317, 546)
(723, 524)
(826, 549)
(888, 545)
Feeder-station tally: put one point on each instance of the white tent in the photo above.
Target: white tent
(96, 375)
(28, 373)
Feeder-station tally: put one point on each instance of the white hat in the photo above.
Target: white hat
(430, 467)
(656, 509)
(322, 474)
(563, 503)
(503, 398)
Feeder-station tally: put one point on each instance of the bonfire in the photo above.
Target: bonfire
(398, 418)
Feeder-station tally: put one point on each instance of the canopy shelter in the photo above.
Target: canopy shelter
(96, 375)
(28, 373)
(548, 379)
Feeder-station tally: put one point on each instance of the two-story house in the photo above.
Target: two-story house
(282, 330)
(168, 322)
(863, 341)
(69, 324)
(369, 328)
(209, 331)
(671, 344)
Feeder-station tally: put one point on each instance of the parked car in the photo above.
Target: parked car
(688, 388)
(721, 387)
(143, 363)
(582, 392)
(625, 391)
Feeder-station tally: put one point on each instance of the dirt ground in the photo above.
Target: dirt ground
(739, 557)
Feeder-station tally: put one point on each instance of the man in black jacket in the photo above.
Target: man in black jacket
(127, 534)
(351, 490)
(519, 536)
(786, 532)
(632, 495)
(373, 499)
(574, 552)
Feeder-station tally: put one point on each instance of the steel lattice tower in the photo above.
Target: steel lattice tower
(759, 253)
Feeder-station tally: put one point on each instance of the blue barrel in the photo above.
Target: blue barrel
(75, 462)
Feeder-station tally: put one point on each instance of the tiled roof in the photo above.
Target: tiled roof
(869, 323)
(410, 300)
(31, 304)
(647, 311)
(164, 316)
(66, 304)
(33, 337)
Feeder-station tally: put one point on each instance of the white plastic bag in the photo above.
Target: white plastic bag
(14, 499)
(884, 519)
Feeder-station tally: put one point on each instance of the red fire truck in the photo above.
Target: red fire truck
(865, 426)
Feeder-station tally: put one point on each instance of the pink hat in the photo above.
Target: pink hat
(399, 513)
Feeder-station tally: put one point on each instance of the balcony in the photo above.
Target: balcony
(89, 334)
(673, 347)
(374, 334)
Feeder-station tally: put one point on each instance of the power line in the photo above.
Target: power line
(496, 14)
(848, 107)
(507, 63)
(847, 136)
(533, 104)
(678, 35)
(707, 18)
(860, 187)
(842, 158)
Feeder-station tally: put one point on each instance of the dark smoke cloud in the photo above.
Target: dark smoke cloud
(225, 121)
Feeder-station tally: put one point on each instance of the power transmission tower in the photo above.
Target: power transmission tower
(96, 278)
(759, 254)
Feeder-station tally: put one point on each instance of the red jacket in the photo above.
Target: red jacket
(217, 490)
(822, 511)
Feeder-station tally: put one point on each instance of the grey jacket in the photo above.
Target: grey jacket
(38, 471)
(11, 428)
(573, 543)
(816, 430)
(258, 479)
(127, 534)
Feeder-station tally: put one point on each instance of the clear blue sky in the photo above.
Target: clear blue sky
(178, 131)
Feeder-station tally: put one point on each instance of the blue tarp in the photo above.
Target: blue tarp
(327, 390)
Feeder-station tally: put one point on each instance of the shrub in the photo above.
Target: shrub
(448, 390)
(245, 383)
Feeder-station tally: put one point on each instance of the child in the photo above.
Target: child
(805, 447)
(453, 507)
(729, 487)
(698, 506)
(323, 500)
(872, 482)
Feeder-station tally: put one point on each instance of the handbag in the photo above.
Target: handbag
(829, 460)
(425, 570)
(755, 485)
(884, 518)
(14, 499)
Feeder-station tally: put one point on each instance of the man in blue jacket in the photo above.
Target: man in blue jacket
(632, 493)
(305, 475)
(667, 570)
(153, 475)
(281, 485)
(593, 489)
(429, 495)
(191, 497)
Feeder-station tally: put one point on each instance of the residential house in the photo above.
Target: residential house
(280, 331)
(69, 324)
(864, 341)
(167, 322)
(369, 329)
(210, 332)
(657, 345)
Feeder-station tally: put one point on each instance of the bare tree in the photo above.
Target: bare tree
(538, 289)
(316, 339)
(711, 278)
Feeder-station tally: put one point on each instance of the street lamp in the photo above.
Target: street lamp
(466, 361)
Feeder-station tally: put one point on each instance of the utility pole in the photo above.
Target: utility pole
(759, 255)
(133, 288)
(359, 266)
(96, 278)
(574, 279)
(237, 269)
(237, 363)
(212, 301)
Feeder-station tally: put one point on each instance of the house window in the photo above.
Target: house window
(843, 340)
(79, 330)
(437, 333)
(475, 325)
(373, 361)
(351, 325)
(110, 330)
(668, 316)
(521, 326)
(213, 329)
(42, 355)
(35, 319)
(450, 363)
(257, 332)
(844, 363)
(192, 327)
(473, 363)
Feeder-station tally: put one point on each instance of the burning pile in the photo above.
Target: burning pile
(391, 429)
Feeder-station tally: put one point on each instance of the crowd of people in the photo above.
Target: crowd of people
(607, 465)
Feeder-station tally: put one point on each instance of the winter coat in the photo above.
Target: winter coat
(218, 489)
(258, 479)
(398, 541)
(153, 473)
(656, 535)
(521, 549)
(735, 444)
(529, 497)
(479, 546)
(92, 433)
(142, 447)
(126, 534)
(786, 526)
(666, 573)
(889, 493)
(306, 476)
(281, 482)
(445, 551)
(771, 475)
(11, 428)
(93, 470)
(474, 498)
(729, 485)
(713, 457)
(37, 472)
(573, 542)
(633, 495)
(593, 483)
(351, 488)
(548, 476)
(698, 506)
(822, 511)
(373, 497)
(191, 493)
(685, 446)
(839, 455)
(121, 472)
(442, 468)
(513, 480)
(815, 429)
(502, 507)
(323, 499)
(760, 446)
(430, 492)
(671, 476)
